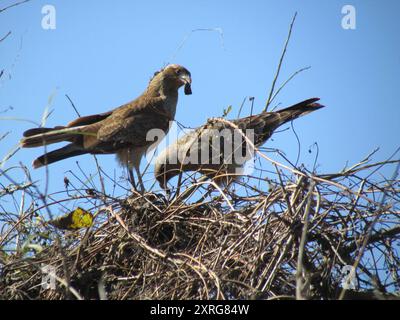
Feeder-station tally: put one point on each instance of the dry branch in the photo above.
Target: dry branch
(229, 246)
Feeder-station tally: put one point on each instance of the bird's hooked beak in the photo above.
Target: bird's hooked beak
(162, 180)
(187, 80)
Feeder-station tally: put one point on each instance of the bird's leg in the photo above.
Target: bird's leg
(140, 180)
(131, 178)
(131, 163)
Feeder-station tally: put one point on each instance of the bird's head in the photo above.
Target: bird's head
(163, 174)
(174, 76)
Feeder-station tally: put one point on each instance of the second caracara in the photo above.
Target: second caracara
(123, 130)
(219, 150)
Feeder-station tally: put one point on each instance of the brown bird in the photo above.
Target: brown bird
(123, 130)
(213, 151)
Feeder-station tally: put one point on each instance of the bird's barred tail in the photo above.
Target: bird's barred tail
(265, 123)
(68, 151)
(43, 136)
(298, 110)
(273, 120)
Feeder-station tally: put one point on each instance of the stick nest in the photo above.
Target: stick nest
(292, 237)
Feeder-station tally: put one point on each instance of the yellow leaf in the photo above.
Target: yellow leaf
(77, 219)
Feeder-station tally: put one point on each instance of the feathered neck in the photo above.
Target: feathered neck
(160, 86)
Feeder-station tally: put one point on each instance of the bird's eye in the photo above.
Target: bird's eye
(178, 72)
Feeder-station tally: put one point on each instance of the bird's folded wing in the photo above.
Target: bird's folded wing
(131, 124)
(89, 119)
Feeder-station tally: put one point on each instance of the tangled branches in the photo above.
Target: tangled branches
(295, 239)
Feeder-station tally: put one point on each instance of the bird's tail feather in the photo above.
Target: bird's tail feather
(35, 131)
(43, 136)
(298, 110)
(265, 123)
(70, 150)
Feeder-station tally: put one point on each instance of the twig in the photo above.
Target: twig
(269, 100)
(302, 278)
(13, 5)
(8, 33)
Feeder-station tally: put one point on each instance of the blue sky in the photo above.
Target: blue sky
(102, 54)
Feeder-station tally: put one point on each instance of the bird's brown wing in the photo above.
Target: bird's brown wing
(129, 125)
(85, 120)
(81, 121)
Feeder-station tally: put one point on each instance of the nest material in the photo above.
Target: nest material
(291, 241)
